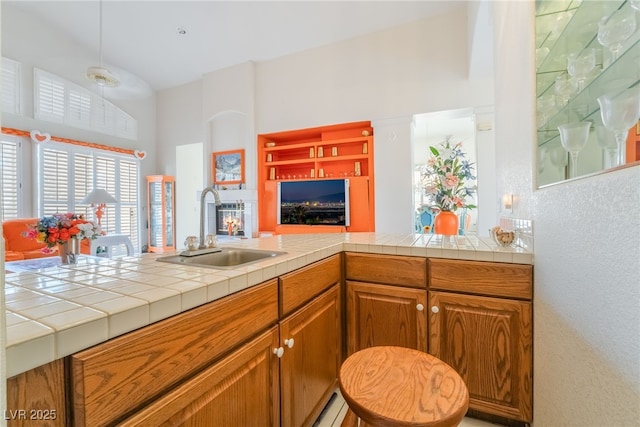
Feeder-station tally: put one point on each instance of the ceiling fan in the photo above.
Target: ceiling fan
(99, 74)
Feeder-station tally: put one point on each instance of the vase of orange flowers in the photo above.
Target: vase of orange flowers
(63, 233)
(449, 184)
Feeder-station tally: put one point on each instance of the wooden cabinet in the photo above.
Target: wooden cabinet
(240, 390)
(38, 397)
(480, 323)
(311, 340)
(217, 361)
(388, 269)
(327, 152)
(161, 213)
(386, 300)
(299, 287)
(117, 377)
(385, 315)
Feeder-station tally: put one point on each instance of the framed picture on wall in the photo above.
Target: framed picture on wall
(228, 167)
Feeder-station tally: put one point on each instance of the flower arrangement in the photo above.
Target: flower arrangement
(59, 228)
(448, 178)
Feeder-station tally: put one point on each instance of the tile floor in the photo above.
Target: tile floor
(337, 408)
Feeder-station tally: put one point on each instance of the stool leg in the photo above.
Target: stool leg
(350, 420)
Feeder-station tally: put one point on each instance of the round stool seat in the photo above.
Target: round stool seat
(397, 386)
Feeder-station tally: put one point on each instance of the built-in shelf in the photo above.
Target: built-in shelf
(327, 152)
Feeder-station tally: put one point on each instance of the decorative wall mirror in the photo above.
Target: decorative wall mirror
(587, 87)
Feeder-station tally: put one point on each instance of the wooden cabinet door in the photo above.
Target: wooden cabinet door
(488, 341)
(240, 390)
(385, 315)
(119, 376)
(38, 397)
(309, 369)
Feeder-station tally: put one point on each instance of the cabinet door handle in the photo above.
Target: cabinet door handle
(435, 309)
(419, 307)
(278, 351)
(289, 342)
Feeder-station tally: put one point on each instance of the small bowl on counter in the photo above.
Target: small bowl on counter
(504, 238)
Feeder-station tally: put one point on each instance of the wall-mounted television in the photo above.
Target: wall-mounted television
(318, 202)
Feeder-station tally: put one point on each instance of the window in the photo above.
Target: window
(128, 197)
(10, 84)
(10, 153)
(58, 100)
(67, 173)
(49, 94)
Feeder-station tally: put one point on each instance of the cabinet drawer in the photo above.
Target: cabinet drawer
(302, 285)
(113, 378)
(238, 390)
(482, 278)
(387, 269)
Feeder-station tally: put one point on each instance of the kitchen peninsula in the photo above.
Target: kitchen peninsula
(65, 311)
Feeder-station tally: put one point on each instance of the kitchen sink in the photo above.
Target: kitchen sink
(225, 258)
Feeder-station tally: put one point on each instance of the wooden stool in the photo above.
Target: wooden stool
(396, 386)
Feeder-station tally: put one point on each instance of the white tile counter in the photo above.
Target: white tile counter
(59, 310)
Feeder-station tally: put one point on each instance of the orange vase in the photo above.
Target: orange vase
(446, 222)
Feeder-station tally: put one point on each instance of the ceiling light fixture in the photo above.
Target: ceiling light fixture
(100, 75)
(181, 31)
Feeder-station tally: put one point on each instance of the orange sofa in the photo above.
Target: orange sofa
(17, 247)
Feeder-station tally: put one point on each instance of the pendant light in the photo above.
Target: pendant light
(100, 75)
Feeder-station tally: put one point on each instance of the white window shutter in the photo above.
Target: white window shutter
(126, 126)
(79, 108)
(67, 173)
(9, 161)
(128, 197)
(49, 97)
(10, 84)
(55, 181)
(83, 182)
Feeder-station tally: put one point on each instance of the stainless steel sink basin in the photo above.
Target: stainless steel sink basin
(227, 258)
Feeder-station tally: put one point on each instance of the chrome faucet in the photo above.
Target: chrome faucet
(201, 244)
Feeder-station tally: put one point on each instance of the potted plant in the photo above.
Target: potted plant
(449, 183)
(63, 232)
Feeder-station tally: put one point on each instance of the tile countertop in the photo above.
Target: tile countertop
(59, 310)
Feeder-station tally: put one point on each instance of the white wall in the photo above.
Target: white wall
(181, 140)
(488, 198)
(587, 256)
(187, 200)
(385, 77)
(27, 40)
(179, 122)
(228, 107)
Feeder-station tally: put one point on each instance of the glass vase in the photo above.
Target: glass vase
(446, 223)
(69, 251)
